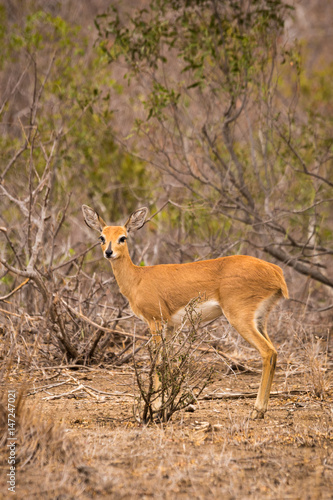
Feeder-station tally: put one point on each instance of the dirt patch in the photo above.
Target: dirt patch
(215, 452)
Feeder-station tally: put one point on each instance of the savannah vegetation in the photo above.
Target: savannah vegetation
(217, 116)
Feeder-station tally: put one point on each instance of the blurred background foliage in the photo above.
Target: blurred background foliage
(224, 109)
(43, 52)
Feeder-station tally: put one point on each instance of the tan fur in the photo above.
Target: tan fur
(245, 288)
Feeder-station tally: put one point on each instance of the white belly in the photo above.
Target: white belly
(207, 311)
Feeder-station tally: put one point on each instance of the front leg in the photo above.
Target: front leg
(155, 330)
(158, 368)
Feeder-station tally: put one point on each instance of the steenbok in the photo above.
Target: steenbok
(243, 288)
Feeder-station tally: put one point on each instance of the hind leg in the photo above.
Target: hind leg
(269, 356)
(246, 327)
(269, 365)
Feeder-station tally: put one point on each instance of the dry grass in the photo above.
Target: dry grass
(80, 446)
(45, 455)
(240, 460)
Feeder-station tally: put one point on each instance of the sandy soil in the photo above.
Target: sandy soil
(215, 452)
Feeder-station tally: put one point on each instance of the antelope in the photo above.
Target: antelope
(245, 289)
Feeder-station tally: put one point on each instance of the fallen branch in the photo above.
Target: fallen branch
(78, 366)
(66, 394)
(245, 395)
(118, 394)
(95, 393)
(63, 367)
(49, 386)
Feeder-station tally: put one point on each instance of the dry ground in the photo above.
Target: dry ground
(215, 452)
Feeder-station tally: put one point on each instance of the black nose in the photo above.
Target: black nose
(108, 251)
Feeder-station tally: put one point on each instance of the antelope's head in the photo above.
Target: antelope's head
(113, 238)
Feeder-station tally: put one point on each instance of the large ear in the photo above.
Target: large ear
(92, 219)
(136, 220)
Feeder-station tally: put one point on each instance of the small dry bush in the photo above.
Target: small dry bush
(176, 361)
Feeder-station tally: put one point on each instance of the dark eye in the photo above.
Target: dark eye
(122, 239)
(102, 239)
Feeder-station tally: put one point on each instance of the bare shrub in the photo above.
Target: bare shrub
(177, 362)
(49, 287)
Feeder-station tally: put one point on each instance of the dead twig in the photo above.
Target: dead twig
(66, 394)
(95, 393)
(48, 386)
(96, 325)
(131, 355)
(15, 290)
(75, 257)
(106, 341)
(25, 315)
(154, 215)
(235, 365)
(245, 395)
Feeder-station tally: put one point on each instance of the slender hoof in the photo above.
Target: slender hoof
(160, 413)
(256, 414)
(190, 408)
(160, 416)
